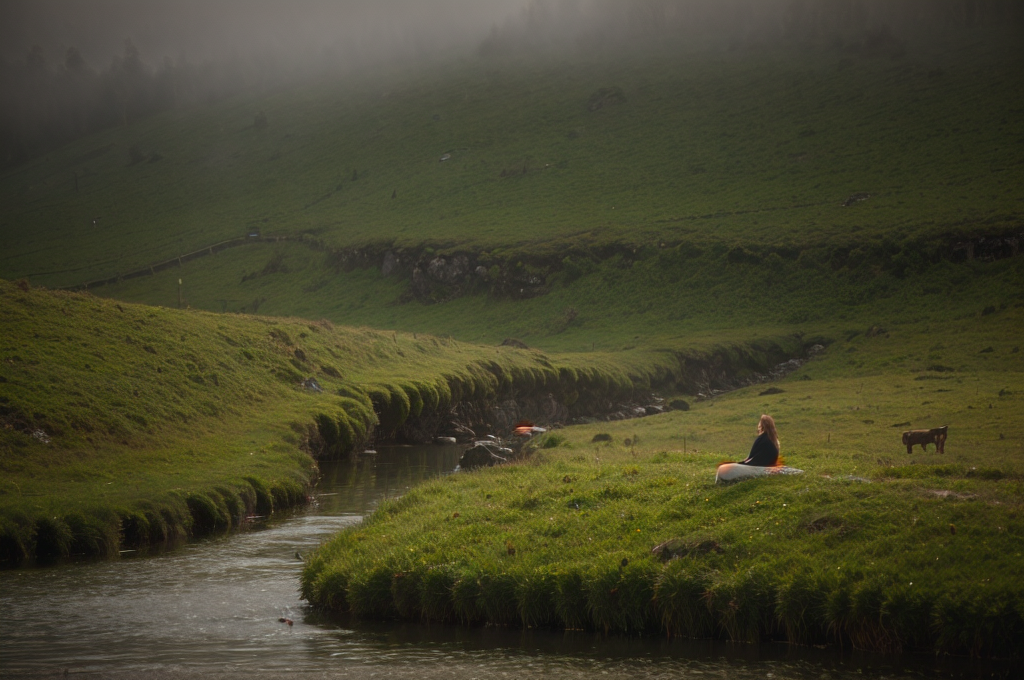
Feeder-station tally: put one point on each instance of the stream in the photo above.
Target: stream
(210, 608)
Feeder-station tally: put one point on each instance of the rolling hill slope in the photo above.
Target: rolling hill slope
(631, 217)
(751, 148)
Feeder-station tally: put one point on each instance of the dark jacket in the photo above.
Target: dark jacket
(763, 453)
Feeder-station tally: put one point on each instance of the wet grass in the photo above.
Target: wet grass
(869, 547)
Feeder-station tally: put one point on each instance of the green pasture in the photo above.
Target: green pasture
(660, 298)
(718, 210)
(752, 148)
(869, 546)
(115, 415)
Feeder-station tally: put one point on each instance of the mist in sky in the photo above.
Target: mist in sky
(297, 35)
(71, 67)
(294, 31)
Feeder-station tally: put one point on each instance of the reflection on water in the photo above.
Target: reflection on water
(215, 604)
(356, 486)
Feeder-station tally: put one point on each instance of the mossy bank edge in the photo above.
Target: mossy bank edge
(127, 426)
(869, 547)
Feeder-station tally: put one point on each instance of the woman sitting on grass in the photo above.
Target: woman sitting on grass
(764, 454)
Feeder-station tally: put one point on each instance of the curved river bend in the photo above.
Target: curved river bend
(211, 609)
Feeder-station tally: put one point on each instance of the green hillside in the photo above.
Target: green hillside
(661, 221)
(118, 416)
(758, 149)
(664, 299)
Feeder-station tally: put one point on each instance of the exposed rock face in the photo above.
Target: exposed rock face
(439, 278)
(390, 264)
(451, 271)
(501, 417)
(469, 421)
(442, 278)
(446, 277)
(421, 430)
(716, 378)
(987, 248)
(484, 454)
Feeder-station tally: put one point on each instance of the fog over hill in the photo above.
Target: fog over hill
(70, 68)
(352, 31)
(597, 26)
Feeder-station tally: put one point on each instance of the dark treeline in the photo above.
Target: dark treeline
(47, 103)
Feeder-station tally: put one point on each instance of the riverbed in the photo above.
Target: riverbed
(211, 608)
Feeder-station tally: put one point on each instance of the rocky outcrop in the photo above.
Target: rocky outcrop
(446, 277)
(438, 277)
(390, 264)
(443, 278)
(706, 377)
(467, 420)
(718, 376)
(569, 398)
(485, 453)
(987, 248)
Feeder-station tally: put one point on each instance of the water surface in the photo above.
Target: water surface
(211, 608)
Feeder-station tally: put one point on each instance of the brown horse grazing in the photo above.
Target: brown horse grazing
(936, 435)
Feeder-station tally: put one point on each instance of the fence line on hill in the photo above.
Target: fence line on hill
(152, 269)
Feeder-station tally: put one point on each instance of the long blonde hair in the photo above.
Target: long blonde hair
(767, 426)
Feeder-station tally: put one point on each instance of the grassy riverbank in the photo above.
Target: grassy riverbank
(869, 546)
(126, 426)
(666, 218)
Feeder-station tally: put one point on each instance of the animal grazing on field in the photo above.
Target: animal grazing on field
(936, 435)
